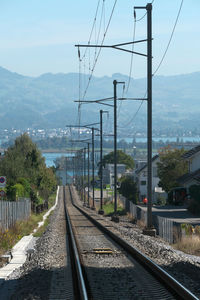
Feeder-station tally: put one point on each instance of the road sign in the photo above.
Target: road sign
(2, 181)
(2, 193)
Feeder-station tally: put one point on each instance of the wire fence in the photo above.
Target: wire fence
(10, 212)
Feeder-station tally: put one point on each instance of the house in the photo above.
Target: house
(141, 179)
(193, 176)
(108, 173)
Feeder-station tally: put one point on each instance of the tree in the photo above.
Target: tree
(128, 188)
(194, 204)
(25, 169)
(171, 167)
(122, 158)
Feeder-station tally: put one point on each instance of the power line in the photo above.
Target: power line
(173, 30)
(131, 63)
(83, 58)
(93, 26)
(99, 31)
(95, 62)
(134, 116)
(140, 19)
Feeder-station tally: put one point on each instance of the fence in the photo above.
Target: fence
(169, 230)
(10, 212)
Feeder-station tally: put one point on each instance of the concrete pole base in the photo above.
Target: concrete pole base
(93, 208)
(101, 212)
(115, 218)
(149, 231)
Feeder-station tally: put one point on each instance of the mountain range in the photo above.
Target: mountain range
(47, 101)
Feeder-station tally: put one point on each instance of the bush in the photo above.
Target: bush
(194, 205)
(128, 189)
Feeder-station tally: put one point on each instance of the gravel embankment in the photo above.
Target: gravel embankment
(34, 279)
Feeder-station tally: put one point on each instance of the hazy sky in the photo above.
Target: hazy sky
(38, 36)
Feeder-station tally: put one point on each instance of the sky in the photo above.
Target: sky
(38, 36)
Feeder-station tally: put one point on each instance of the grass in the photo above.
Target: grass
(12, 235)
(189, 244)
(109, 209)
(42, 228)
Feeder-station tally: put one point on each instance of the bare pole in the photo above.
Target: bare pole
(115, 217)
(88, 174)
(93, 206)
(101, 159)
(101, 211)
(149, 116)
(84, 174)
(115, 147)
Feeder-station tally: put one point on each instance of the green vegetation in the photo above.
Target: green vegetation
(26, 172)
(171, 167)
(128, 188)
(42, 228)
(109, 209)
(194, 204)
(122, 158)
(11, 236)
(190, 241)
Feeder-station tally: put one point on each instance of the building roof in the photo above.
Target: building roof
(190, 176)
(142, 168)
(191, 152)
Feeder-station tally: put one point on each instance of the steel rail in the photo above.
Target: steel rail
(79, 273)
(166, 279)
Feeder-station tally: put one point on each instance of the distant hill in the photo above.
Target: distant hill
(47, 101)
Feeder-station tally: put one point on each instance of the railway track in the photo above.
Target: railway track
(108, 267)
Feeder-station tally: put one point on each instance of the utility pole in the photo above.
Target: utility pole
(84, 176)
(149, 229)
(115, 150)
(93, 205)
(115, 217)
(101, 211)
(92, 128)
(149, 109)
(88, 174)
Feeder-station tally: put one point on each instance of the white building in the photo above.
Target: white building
(141, 178)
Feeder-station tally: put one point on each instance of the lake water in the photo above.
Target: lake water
(163, 139)
(50, 157)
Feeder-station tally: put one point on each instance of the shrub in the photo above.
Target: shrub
(194, 205)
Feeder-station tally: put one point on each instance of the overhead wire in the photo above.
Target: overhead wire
(140, 19)
(131, 62)
(92, 29)
(100, 25)
(95, 62)
(171, 36)
(161, 61)
(78, 120)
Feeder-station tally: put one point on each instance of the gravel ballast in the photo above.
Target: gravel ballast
(33, 279)
(48, 262)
